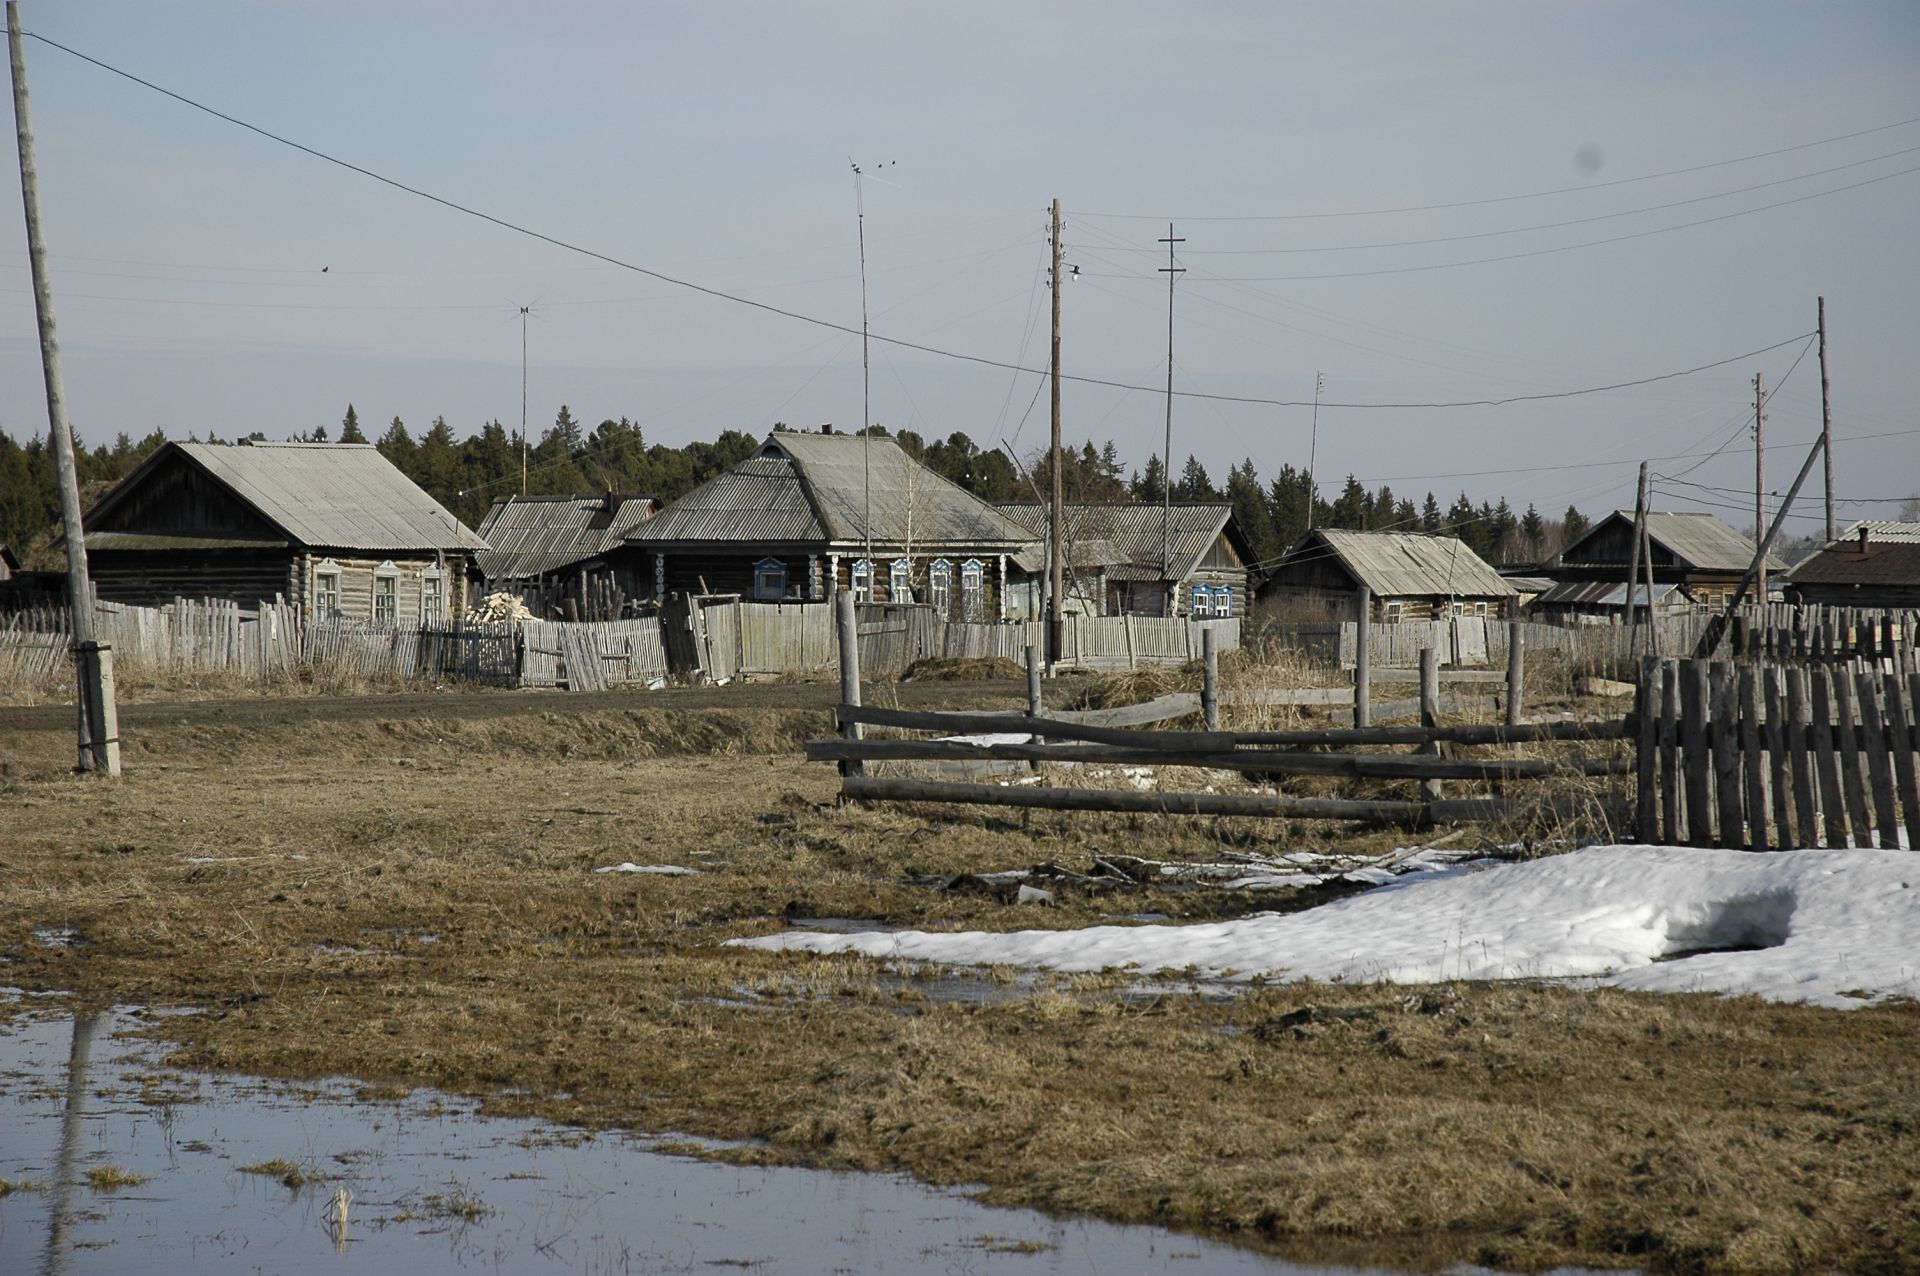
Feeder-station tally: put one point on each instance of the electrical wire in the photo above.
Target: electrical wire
(798, 316)
(1562, 248)
(1508, 199)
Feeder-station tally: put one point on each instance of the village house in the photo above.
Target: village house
(1410, 577)
(1604, 602)
(561, 550)
(1695, 551)
(811, 515)
(1874, 564)
(1133, 558)
(333, 528)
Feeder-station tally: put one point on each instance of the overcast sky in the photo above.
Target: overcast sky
(209, 279)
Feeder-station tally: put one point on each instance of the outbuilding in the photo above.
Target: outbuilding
(1410, 577)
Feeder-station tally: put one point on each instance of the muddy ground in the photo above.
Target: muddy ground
(401, 890)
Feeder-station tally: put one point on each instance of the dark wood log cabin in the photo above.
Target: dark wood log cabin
(810, 515)
(1132, 558)
(1410, 577)
(332, 527)
(1695, 551)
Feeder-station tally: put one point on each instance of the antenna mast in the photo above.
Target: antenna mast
(525, 311)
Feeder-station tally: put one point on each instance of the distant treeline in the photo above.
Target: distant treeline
(466, 475)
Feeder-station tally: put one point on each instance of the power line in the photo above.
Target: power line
(768, 308)
(1521, 230)
(1508, 199)
(1562, 248)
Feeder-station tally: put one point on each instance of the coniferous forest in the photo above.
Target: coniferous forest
(467, 475)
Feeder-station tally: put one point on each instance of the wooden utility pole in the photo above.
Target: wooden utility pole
(1633, 563)
(1172, 272)
(1760, 472)
(99, 727)
(1056, 551)
(1313, 454)
(1826, 417)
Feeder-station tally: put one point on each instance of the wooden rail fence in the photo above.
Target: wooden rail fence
(1766, 758)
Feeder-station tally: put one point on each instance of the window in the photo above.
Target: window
(386, 599)
(862, 581)
(973, 590)
(769, 579)
(1458, 607)
(1480, 609)
(940, 587)
(326, 590)
(433, 597)
(1223, 600)
(900, 581)
(1393, 613)
(1202, 601)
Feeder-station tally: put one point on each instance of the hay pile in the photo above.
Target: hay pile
(499, 607)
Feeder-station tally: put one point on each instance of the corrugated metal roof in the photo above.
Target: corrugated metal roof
(813, 488)
(1081, 555)
(1602, 593)
(1401, 564)
(1887, 530)
(532, 535)
(331, 495)
(1697, 541)
(161, 540)
(1892, 557)
(1133, 531)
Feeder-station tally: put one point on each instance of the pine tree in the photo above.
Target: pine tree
(1573, 525)
(398, 446)
(350, 427)
(1250, 511)
(1430, 518)
(1533, 534)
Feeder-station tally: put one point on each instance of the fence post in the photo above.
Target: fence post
(849, 672)
(1646, 753)
(1363, 660)
(1430, 712)
(1034, 705)
(1210, 678)
(1516, 669)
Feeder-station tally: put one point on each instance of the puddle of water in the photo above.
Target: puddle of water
(435, 1188)
(841, 925)
(58, 937)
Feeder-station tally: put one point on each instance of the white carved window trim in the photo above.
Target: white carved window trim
(973, 589)
(386, 589)
(769, 579)
(900, 581)
(940, 586)
(326, 589)
(860, 575)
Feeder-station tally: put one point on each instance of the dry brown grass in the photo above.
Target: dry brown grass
(413, 903)
(963, 669)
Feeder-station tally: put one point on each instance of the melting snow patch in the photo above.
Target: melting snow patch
(1814, 926)
(663, 870)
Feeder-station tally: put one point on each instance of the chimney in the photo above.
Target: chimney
(1863, 540)
(827, 428)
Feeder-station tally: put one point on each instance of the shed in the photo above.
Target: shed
(332, 527)
(566, 548)
(1131, 558)
(810, 515)
(1874, 564)
(1411, 577)
(1605, 602)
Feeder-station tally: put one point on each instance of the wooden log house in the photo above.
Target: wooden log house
(809, 516)
(1697, 552)
(333, 528)
(1410, 577)
(1875, 564)
(566, 556)
(1138, 559)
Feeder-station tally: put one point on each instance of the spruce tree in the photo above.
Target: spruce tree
(350, 427)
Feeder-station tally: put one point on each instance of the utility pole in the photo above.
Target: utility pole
(1760, 472)
(1826, 417)
(524, 312)
(1313, 454)
(1172, 272)
(99, 723)
(866, 380)
(1056, 612)
(1633, 564)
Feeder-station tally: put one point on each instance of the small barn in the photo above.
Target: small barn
(334, 528)
(1134, 558)
(1696, 551)
(1602, 602)
(1875, 564)
(811, 515)
(1411, 577)
(566, 554)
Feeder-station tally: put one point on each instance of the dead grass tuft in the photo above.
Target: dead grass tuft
(111, 1178)
(963, 669)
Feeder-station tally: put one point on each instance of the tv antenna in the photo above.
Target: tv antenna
(866, 364)
(526, 313)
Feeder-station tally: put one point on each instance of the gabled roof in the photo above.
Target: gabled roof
(1605, 593)
(819, 489)
(323, 495)
(1699, 542)
(530, 535)
(1892, 557)
(1403, 564)
(1134, 532)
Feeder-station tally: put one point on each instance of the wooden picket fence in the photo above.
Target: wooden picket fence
(1766, 757)
(1821, 634)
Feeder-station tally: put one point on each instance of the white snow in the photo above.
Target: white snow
(1833, 928)
(664, 870)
